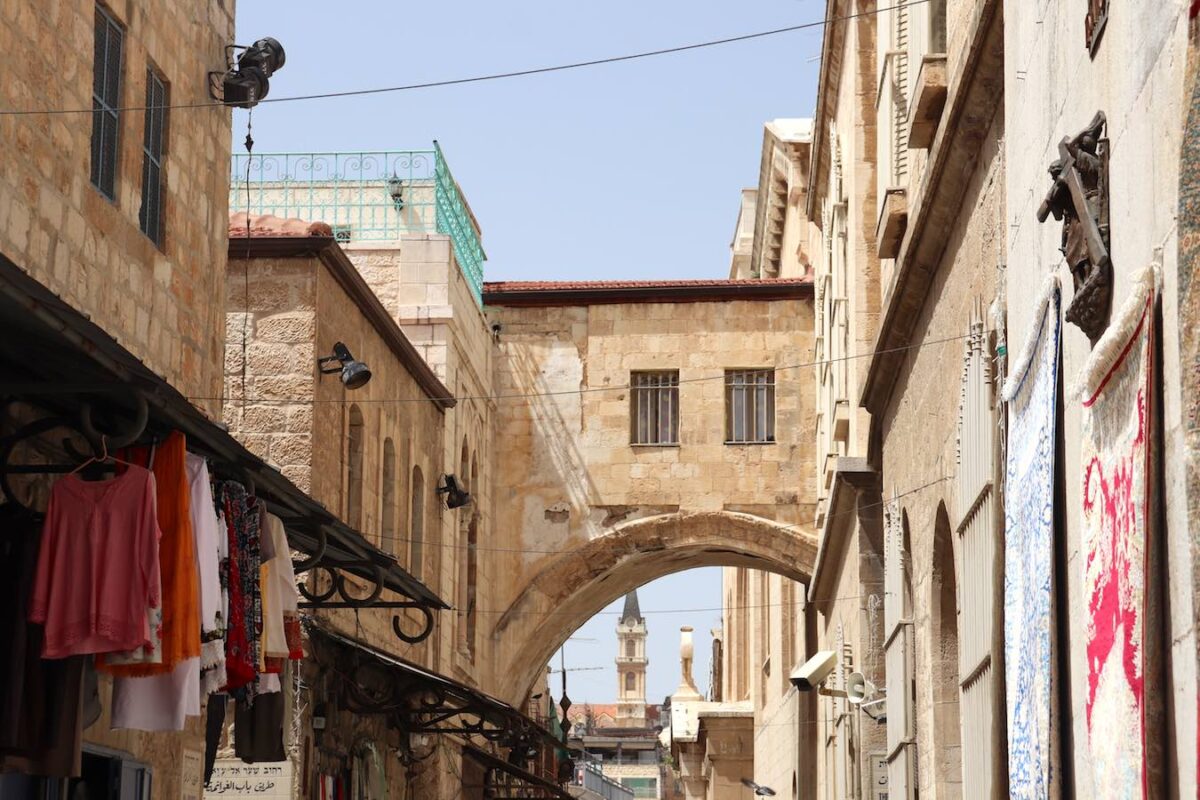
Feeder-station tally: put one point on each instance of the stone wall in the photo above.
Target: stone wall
(570, 477)
(162, 304)
(1054, 87)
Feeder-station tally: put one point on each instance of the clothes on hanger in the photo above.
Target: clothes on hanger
(98, 565)
(245, 602)
(177, 561)
(212, 543)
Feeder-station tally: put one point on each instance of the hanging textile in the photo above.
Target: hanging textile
(211, 543)
(1031, 393)
(177, 560)
(281, 602)
(98, 565)
(157, 702)
(41, 701)
(245, 602)
(1116, 390)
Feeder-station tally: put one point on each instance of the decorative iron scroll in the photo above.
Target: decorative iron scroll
(336, 585)
(416, 701)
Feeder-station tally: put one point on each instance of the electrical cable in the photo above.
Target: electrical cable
(522, 73)
(792, 526)
(624, 387)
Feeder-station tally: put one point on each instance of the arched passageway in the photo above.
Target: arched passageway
(566, 591)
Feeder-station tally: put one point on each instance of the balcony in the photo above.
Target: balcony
(928, 100)
(365, 197)
(893, 219)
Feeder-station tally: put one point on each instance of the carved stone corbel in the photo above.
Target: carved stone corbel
(1079, 199)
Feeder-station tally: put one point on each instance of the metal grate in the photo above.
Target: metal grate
(654, 407)
(749, 406)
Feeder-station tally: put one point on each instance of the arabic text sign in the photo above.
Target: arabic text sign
(232, 778)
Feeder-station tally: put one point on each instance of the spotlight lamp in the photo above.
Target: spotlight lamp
(246, 82)
(355, 373)
(456, 496)
(758, 789)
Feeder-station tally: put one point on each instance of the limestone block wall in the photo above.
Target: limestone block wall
(921, 436)
(270, 361)
(1052, 89)
(418, 280)
(165, 305)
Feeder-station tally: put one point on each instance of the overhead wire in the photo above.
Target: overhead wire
(623, 387)
(495, 76)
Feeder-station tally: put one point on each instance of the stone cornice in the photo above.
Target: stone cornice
(975, 96)
(851, 475)
(828, 81)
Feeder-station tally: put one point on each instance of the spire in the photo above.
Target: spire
(632, 613)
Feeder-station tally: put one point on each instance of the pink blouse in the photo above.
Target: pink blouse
(97, 570)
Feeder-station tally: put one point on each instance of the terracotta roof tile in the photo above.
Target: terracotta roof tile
(268, 225)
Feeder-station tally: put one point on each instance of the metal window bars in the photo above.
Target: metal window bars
(654, 407)
(749, 406)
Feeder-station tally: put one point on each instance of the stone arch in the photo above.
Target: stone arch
(943, 605)
(563, 592)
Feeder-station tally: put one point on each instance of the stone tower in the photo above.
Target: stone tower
(631, 665)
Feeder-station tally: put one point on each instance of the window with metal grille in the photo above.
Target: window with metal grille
(150, 217)
(654, 407)
(749, 406)
(106, 96)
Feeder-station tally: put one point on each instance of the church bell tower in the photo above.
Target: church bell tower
(631, 665)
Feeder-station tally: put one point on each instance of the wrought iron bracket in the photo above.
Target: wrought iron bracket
(338, 587)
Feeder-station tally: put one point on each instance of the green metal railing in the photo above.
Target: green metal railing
(364, 197)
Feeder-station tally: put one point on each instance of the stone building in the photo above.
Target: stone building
(110, 264)
(927, 167)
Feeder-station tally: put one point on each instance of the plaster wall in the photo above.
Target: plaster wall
(1053, 88)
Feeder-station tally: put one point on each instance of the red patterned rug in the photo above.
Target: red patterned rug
(1120, 586)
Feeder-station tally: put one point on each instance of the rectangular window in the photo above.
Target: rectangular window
(150, 217)
(654, 407)
(749, 406)
(106, 96)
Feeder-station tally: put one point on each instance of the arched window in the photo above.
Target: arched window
(944, 607)
(473, 560)
(387, 516)
(416, 528)
(355, 433)
(630, 649)
(629, 679)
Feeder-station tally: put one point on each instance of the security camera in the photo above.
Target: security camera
(812, 673)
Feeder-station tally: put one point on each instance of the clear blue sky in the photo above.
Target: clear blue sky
(595, 644)
(622, 171)
(630, 170)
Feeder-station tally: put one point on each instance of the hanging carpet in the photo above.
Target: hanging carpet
(1031, 393)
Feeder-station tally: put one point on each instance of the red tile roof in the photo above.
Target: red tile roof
(568, 293)
(576, 286)
(268, 225)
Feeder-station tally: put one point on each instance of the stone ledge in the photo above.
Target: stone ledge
(893, 219)
(928, 101)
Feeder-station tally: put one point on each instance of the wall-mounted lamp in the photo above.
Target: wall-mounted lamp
(496, 331)
(355, 374)
(245, 83)
(395, 188)
(456, 496)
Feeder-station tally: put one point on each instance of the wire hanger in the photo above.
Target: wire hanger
(104, 457)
